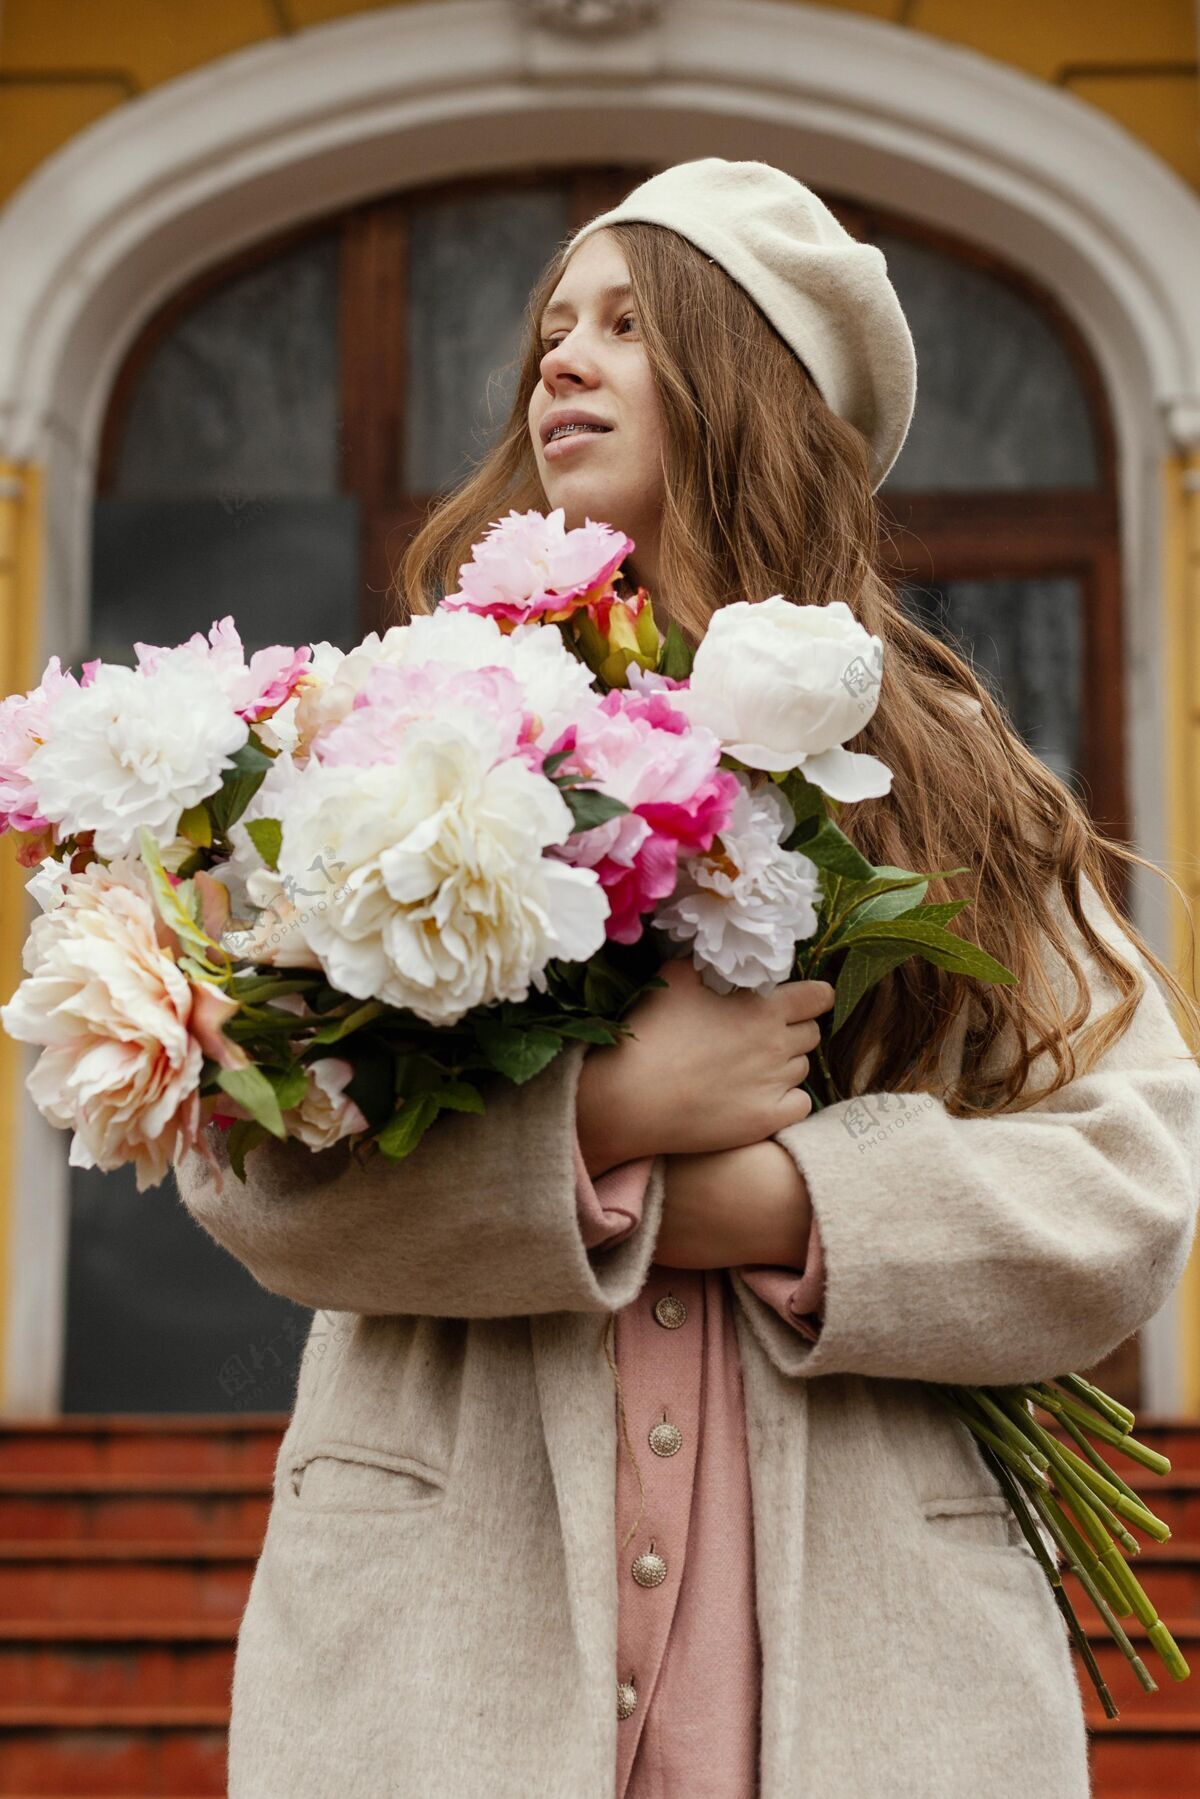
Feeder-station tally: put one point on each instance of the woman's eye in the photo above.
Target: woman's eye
(548, 343)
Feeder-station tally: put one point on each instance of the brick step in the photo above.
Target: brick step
(183, 1669)
(168, 1759)
(139, 1445)
(1132, 1755)
(1181, 1698)
(1174, 1497)
(144, 1582)
(118, 1550)
(1170, 1574)
(185, 1508)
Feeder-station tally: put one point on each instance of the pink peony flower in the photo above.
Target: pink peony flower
(641, 751)
(24, 726)
(255, 689)
(486, 705)
(528, 567)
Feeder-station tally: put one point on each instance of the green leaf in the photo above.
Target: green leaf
(239, 784)
(290, 1084)
(518, 1051)
(937, 945)
(858, 974)
(254, 987)
(552, 764)
(887, 908)
(460, 1096)
(404, 1130)
(196, 826)
(605, 991)
(588, 1030)
(677, 656)
(830, 849)
(805, 800)
(337, 1028)
(251, 1089)
(244, 1133)
(589, 807)
(266, 834)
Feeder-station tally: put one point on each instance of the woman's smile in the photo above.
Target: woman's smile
(558, 445)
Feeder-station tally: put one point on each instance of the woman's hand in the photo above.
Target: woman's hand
(734, 1207)
(704, 1071)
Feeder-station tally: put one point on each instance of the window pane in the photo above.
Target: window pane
(1024, 638)
(240, 400)
(472, 263)
(999, 404)
(286, 569)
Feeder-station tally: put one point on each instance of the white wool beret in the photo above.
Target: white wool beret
(827, 295)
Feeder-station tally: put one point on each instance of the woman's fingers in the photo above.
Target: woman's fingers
(804, 1000)
(805, 1034)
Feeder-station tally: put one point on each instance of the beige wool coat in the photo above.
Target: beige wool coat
(434, 1611)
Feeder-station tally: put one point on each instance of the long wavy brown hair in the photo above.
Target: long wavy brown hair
(768, 491)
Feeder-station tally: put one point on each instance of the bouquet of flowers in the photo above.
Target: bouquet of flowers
(328, 895)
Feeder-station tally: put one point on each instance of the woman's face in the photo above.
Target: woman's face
(595, 364)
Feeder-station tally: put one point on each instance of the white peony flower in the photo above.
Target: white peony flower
(785, 686)
(49, 882)
(135, 749)
(445, 900)
(121, 1065)
(747, 903)
(326, 1114)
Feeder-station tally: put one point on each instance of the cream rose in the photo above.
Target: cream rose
(326, 1114)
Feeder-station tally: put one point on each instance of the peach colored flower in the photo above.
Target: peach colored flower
(121, 1060)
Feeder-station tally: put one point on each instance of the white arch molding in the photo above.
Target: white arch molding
(176, 180)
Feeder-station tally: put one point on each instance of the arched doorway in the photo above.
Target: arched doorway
(279, 426)
(131, 210)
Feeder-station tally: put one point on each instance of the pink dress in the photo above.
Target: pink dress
(687, 1677)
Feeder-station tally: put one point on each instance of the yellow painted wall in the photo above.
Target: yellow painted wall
(65, 63)
(1181, 496)
(20, 577)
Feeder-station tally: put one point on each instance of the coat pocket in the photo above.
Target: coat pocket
(333, 1476)
(978, 1520)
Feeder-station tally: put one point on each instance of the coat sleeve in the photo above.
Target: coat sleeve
(1017, 1246)
(480, 1221)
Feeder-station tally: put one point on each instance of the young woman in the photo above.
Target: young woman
(767, 1560)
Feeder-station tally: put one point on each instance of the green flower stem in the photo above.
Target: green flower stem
(1029, 1530)
(1103, 1402)
(1010, 1428)
(1113, 1594)
(1000, 1448)
(1055, 1522)
(1098, 1461)
(1103, 1493)
(1111, 1434)
(1077, 1492)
